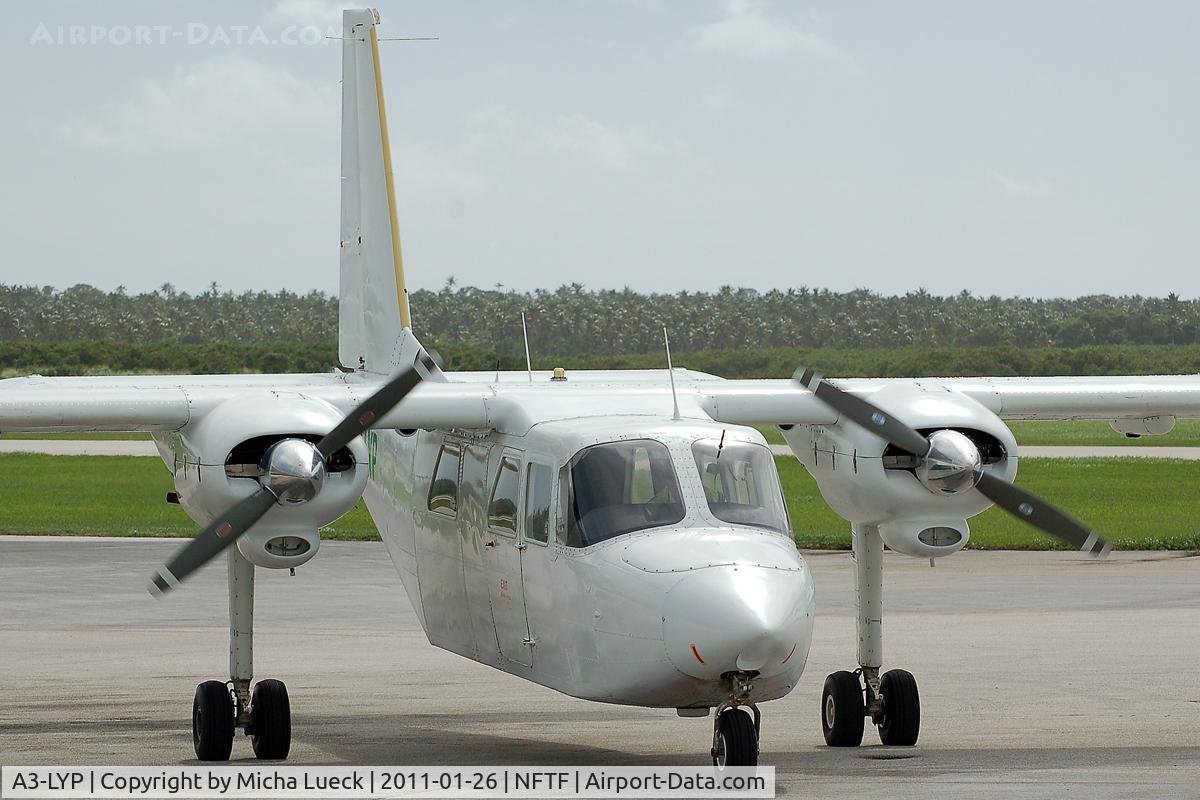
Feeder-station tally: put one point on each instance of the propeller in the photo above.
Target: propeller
(293, 471)
(948, 463)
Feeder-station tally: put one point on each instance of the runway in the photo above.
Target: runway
(1041, 674)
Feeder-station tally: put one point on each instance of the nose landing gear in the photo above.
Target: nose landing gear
(735, 733)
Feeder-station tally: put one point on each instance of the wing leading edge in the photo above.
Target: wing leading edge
(1044, 398)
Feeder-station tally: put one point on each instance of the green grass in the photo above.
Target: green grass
(1085, 433)
(1139, 503)
(108, 496)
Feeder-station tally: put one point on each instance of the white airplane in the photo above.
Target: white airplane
(619, 536)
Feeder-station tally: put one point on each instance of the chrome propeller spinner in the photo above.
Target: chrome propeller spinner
(953, 464)
(293, 470)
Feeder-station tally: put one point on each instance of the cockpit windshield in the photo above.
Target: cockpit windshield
(741, 484)
(621, 487)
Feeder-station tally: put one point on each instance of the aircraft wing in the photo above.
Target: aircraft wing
(1046, 398)
(171, 402)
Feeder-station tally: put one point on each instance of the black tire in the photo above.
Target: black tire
(212, 722)
(271, 720)
(901, 709)
(736, 741)
(842, 710)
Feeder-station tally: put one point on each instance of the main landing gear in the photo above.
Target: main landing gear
(735, 732)
(221, 708)
(892, 702)
(894, 707)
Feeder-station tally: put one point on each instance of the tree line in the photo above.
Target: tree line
(575, 321)
(103, 358)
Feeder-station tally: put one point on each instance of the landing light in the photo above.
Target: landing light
(940, 536)
(287, 546)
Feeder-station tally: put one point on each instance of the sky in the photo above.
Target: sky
(1017, 148)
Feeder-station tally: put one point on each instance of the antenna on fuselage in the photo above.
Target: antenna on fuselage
(671, 373)
(528, 360)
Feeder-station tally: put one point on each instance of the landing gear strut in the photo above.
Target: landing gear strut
(735, 733)
(220, 708)
(891, 701)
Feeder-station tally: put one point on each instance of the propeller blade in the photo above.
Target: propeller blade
(866, 414)
(223, 532)
(375, 406)
(1040, 514)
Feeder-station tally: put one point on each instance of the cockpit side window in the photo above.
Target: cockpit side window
(741, 484)
(620, 487)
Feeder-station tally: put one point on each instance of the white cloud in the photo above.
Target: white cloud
(323, 14)
(1011, 186)
(746, 31)
(229, 99)
(585, 140)
(718, 98)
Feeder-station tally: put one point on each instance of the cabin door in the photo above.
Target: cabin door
(503, 556)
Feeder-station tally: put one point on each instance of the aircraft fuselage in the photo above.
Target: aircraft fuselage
(659, 616)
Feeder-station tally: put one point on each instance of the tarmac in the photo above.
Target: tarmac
(1041, 674)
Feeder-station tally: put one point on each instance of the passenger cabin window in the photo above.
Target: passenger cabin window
(741, 484)
(537, 502)
(502, 510)
(443, 492)
(621, 487)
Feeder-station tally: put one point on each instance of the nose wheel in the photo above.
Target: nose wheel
(894, 706)
(735, 739)
(736, 725)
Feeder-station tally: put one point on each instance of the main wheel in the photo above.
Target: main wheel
(737, 741)
(901, 708)
(212, 722)
(842, 710)
(271, 720)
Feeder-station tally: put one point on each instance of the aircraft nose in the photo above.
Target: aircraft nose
(727, 618)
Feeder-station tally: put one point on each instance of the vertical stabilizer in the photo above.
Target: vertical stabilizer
(373, 307)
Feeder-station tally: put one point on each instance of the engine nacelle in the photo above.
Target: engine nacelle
(866, 481)
(217, 463)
